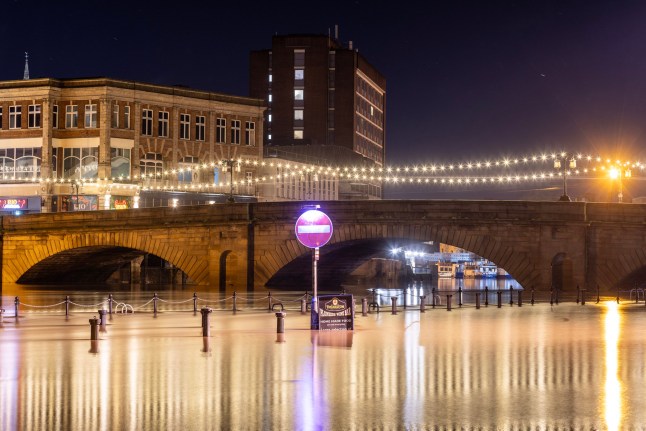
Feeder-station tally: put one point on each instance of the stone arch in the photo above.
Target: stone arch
(27, 251)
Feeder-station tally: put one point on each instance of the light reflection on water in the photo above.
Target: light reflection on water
(533, 368)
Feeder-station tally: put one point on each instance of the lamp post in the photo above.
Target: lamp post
(563, 163)
(230, 166)
(620, 173)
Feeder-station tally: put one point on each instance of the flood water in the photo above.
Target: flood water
(540, 367)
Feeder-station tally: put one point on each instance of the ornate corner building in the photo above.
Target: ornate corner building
(84, 144)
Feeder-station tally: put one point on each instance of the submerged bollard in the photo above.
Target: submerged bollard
(433, 297)
(597, 293)
(364, 306)
(477, 300)
(532, 301)
(394, 304)
(511, 295)
(94, 328)
(520, 298)
(582, 296)
(448, 302)
(194, 302)
(280, 322)
(486, 296)
(67, 305)
(206, 323)
(422, 306)
(155, 303)
(303, 306)
(235, 300)
(405, 292)
(460, 296)
(499, 293)
(102, 319)
(16, 301)
(110, 304)
(578, 291)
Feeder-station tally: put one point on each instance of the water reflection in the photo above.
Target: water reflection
(511, 368)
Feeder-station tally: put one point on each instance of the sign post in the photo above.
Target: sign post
(313, 230)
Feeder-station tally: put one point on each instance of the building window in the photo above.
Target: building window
(151, 165)
(15, 121)
(269, 116)
(299, 58)
(0, 117)
(200, 128)
(126, 117)
(188, 167)
(184, 126)
(162, 124)
(120, 162)
(115, 116)
(269, 98)
(20, 163)
(90, 116)
(250, 133)
(298, 94)
(270, 78)
(71, 116)
(298, 114)
(55, 116)
(220, 132)
(299, 74)
(235, 131)
(34, 116)
(80, 162)
(298, 134)
(147, 122)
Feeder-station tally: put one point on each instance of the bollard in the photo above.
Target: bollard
(269, 297)
(303, 306)
(511, 295)
(499, 298)
(597, 293)
(16, 301)
(582, 296)
(448, 302)
(460, 296)
(155, 303)
(477, 300)
(486, 296)
(364, 306)
(532, 301)
(520, 298)
(280, 322)
(67, 305)
(94, 328)
(405, 292)
(194, 302)
(206, 324)
(110, 304)
(102, 319)
(422, 306)
(235, 300)
(433, 296)
(394, 301)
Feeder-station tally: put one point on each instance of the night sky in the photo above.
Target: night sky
(465, 80)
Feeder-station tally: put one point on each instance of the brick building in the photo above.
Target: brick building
(320, 93)
(79, 144)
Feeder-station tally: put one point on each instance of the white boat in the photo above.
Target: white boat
(487, 270)
(445, 269)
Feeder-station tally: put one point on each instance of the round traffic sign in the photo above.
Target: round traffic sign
(313, 228)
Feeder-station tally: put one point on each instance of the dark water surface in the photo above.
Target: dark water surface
(532, 367)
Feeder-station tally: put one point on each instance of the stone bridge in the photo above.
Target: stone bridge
(249, 246)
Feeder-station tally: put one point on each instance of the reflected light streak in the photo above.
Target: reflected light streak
(613, 386)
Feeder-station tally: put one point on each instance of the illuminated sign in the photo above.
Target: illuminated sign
(13, 204)
(313, 229)
(336, 312)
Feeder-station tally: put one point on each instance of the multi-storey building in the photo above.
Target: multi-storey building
(320, 93)
(80, 144)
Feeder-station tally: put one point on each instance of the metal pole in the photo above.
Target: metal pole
(155, 303)
(194, 302)
(459, 296)
(393, 299)
(364, 306)
(67, 305)
(433, 296)
(477, 300)
(16, 301)
(234, 302)
(520, 298)
(206, 324)
(110, 303)
(422, 307)
(269, 297)
(303, 306)
(314, 324)
(448, 302)
(499, 298)
(486, 296)
(280, 322)
(582, 296)
(94, 329)
(532, 301)
(511, 295)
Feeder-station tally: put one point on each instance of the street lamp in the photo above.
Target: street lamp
(620, 173)
(230, 165)
(564, 162)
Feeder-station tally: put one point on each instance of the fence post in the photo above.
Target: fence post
(269, 296)
(94, 329)
(511, 295)
(102, 320)
(460, 296)
(393, 299)
(486, 296)
(597, 293)
(206, 323)
(433, 296)
(422, 306)
(532, 301)
(110, 304)
(582, 296)
(16, 301)
(405, 292)
(448, 302)
(477, 300)
(194, 302)
(577, 293)
(303, 306)
(520, 298)
(280, 322)
(235, 300)
(155, 303)
(364, 306)
(67, 305)
(499, 298)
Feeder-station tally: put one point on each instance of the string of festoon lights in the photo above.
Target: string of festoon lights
(457, 173)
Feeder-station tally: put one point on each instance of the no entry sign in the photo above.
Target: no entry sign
(313, 228)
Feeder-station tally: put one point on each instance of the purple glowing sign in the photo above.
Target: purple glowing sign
(313, 229)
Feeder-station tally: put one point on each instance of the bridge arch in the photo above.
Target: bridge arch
(29, 252)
